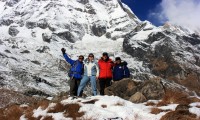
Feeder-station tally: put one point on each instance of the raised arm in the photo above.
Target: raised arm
(69, 60)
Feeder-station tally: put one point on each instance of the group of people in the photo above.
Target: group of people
(89, 70)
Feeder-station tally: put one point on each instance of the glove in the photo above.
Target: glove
(63, 50)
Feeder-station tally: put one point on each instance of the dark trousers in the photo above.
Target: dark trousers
(74, 83)
(104, 83)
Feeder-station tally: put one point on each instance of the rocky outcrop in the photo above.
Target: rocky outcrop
(166, 55)
(136, 91)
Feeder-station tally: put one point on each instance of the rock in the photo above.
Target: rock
(36, 62)
(108, 35)
(183, 107)
(25, 51)
(8, 51)
(152, 89)
(6, 22)
(83, 1)
(43, 49)
(98, 30)
(13, 31)
(66, 35)
(33, 34)
(46, 37)
(33, 92)
(42, 24)
(89, 9)
(31, 25)
(138, 97)
(123, 88)
(10, 3)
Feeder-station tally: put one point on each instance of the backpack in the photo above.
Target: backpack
(75, 63)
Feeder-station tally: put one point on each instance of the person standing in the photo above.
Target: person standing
(75, 73)
(91, 73)
(120, 70)
(105, 72)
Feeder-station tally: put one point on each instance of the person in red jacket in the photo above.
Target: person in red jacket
(105, 72)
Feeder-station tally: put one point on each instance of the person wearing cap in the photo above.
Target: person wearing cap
(120, 70)
(75, 73)
(91, 73)
(105, 72)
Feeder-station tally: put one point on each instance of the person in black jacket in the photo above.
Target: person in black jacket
(120, 70)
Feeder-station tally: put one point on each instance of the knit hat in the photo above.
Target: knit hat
(117, 58)
(105, 54)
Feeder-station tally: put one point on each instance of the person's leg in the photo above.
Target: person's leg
(108, 82)
(77, 82)
(82, 85)
(102, 86)
(72, 86)
(93, 84)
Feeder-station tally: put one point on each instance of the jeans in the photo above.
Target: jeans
(74, 83)
(84, 82)
(104, 83)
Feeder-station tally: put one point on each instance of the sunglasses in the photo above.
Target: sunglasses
(80, 58)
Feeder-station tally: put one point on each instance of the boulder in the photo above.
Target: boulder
(42, 24)
(152, 89)
(66, 35)
(83, 1)
(98, 30)
(31, 25)
(6, 22)
(46, 37)
(13, 31)
(138, 97)
(137, 91)
(124, 88)
(10, 3)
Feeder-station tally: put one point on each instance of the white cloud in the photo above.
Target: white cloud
(180, 12)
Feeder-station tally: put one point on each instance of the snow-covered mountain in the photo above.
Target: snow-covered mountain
(32, 32)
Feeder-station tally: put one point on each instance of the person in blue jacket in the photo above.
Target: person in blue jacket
(75, 73)
(120, 70)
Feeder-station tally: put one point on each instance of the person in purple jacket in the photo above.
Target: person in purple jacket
(120, 70)
(75, 72)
